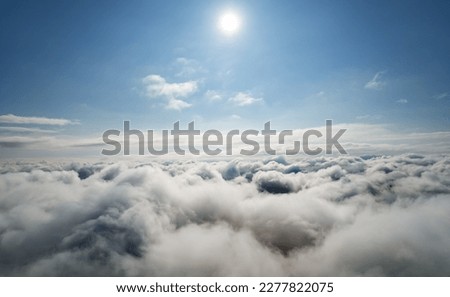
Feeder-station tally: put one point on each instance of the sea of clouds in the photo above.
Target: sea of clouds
(324, 216)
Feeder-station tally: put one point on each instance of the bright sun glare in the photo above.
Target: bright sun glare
(229, 23)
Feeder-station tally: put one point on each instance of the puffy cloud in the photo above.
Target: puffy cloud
(326, 216)
(244, 99)
(213, 96)
(177, 104)
(157, 86)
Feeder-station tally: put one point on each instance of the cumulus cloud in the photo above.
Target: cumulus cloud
(14, 119)
(177, 104)
(157, 87)
(244, 99)
(213, 96)
(376, 83)
(326, 216)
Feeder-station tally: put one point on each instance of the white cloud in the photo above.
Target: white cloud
(177, 104)
(402, 101)
(325, 216)
(244, 99)
(376, 82)
(213, 96)
(157, 87)
(49, 143)
(14, 119)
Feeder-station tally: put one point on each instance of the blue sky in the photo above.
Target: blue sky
(296, 63)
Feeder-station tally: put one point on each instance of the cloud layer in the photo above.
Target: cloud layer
(337, 216)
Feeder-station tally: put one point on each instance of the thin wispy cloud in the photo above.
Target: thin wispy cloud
(376, 83)
(441, 96)
(19, 141)
(402, 101)
(26, 130)
(188, 67)
(157, 87)
(26, 144)
(356, 141)
(244, 99)
(369, 117)
(14, 119)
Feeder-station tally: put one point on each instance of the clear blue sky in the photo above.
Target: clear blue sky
(296, 63)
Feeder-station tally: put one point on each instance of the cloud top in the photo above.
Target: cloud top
(326, 216)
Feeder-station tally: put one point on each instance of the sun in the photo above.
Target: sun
(229, 23)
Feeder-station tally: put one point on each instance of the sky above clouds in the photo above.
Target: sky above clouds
(295, 63)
